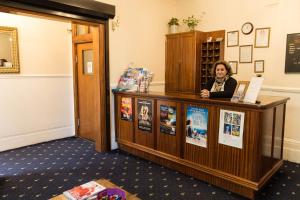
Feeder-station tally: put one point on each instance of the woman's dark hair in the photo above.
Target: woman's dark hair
(225, 64)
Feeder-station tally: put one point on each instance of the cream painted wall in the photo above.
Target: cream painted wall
(140, 37)
(45, 46)
(37, 104)
(282, 16)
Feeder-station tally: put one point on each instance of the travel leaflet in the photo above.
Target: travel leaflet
(196, 126)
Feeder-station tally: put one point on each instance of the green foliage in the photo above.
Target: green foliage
(191, 22)
(173, 21)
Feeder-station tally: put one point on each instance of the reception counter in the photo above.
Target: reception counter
(236, 146)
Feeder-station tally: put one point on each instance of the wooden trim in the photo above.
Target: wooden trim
(107, 81)
(273, 132)
(102, 143)
(75, 86)
(154, 124)
(87, 10)
(270, 173)
(283, 128)
(197, 99)
(116, 109)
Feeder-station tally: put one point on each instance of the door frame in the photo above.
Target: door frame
(90, 12)
(102, 141)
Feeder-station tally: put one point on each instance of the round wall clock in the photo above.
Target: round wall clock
(247, 28)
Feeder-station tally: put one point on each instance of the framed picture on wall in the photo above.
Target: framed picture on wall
(259, 66)
(246, 53)
(234, 66)
(232, 38)
(262, 37)
(292, 54)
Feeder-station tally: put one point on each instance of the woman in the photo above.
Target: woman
(222, 85)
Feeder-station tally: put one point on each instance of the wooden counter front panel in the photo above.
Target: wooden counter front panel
(125, 129)
(243, 171)
(141, 137)
(241, 162)
(278, 132)
(167, 143)
(198, 154)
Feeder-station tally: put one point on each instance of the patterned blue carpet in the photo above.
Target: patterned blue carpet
(45, 170)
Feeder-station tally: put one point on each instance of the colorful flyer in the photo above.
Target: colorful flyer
(144, 109)
(196, 126)
(231, 128)
(168, 120)
(126, 108)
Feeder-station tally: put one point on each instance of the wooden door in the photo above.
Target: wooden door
(187, 71)
(173, 56)
(88, 91)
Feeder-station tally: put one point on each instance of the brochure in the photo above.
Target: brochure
(84, 191)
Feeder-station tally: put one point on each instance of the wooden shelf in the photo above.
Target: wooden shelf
(211, 52)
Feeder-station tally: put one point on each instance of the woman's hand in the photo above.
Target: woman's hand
(205, 93)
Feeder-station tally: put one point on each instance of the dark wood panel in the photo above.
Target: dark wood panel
(187, 71)
(167, 143)
(241, 162)
(173, 57)
(145, 138)
(278, 132)
(125, 128)
(232, 183)
(192, 152)
(266, 138)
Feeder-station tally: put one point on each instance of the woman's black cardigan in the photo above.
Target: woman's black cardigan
(229, 88)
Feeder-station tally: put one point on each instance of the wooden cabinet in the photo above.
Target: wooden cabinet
(182, 63)
(189, 58)
(242, 170)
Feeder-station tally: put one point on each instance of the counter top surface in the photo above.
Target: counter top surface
(262, 101)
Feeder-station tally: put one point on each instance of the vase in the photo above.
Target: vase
(192, 28)
(173, 29)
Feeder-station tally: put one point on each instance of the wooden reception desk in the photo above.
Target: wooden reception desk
(242, 170)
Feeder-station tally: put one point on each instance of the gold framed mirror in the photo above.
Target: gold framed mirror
(9, 51)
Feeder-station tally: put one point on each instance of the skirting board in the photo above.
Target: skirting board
(291, 150)
(36, 137)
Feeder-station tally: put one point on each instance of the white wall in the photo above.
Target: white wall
(37, 104)
(283, 18)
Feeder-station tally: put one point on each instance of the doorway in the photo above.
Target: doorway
(87, 79)
(95, 15)
(89, 64)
